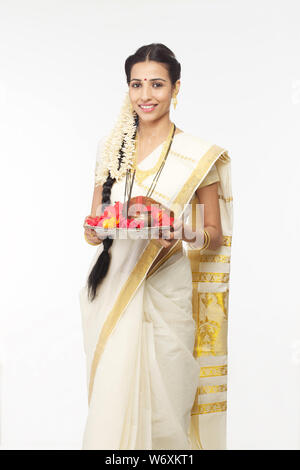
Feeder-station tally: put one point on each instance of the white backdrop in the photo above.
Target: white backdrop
(62, 82)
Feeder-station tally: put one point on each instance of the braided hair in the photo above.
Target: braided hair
(160, 53)
(101, 266)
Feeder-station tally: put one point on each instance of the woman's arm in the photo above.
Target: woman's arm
(208, 196)
(90, 234)
(97, 201)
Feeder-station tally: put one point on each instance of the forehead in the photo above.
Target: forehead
(149, 69)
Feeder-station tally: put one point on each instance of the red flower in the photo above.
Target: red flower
(159, 216)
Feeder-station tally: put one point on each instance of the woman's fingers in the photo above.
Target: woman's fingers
(164, 243)
(178, 226)
(91, 235)
(174, 235)
(163, 238)
(89, 232)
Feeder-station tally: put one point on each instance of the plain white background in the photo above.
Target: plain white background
(62, 83)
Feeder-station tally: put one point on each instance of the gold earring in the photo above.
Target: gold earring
(174, 100)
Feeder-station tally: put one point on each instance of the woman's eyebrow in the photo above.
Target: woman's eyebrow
(150, 80)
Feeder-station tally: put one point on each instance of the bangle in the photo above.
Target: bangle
(207, 240)
(90, 243)
(195, 245)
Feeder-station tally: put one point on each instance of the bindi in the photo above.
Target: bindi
(145, 78)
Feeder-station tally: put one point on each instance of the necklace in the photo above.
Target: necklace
(140, 175)
(163, 157)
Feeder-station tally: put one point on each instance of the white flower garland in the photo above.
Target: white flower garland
(109, 159)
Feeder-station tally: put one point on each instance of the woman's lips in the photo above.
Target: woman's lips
(147, 108)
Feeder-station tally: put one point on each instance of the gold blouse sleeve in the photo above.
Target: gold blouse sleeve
(211, 177)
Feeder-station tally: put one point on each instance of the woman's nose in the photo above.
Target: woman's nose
(146, 92)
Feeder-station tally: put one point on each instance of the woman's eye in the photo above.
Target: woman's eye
(137, 85)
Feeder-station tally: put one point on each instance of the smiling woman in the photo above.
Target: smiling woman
(154, 311)
(150, 91)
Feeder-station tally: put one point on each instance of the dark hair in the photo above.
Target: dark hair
(159, 53)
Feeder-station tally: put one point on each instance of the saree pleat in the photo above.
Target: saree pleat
(174, 371)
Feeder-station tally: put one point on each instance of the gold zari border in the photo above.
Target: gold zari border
(227, 240)
(205, 389)
(213, 371)
(210, 277)
(204, 408)
(214, 259)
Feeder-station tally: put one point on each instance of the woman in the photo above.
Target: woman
(153, 354)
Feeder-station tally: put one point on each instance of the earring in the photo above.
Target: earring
(175, 101)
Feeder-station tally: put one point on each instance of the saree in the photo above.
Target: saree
(150, 359)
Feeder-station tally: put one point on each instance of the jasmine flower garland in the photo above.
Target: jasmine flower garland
(124, 129)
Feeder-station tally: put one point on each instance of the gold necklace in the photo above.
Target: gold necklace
(141, 175)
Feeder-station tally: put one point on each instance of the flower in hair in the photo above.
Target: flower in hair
(124, 129)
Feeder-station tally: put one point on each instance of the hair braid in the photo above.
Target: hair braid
(101, 266)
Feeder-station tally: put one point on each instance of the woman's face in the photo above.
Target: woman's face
(150, 90)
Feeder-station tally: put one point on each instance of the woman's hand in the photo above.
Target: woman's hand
(90, 234)
(179, 231)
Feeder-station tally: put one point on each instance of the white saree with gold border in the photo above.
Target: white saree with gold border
(156, 340)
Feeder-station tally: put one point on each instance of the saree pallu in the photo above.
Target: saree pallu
(142, 331)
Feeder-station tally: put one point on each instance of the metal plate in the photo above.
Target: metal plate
(132, 233)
